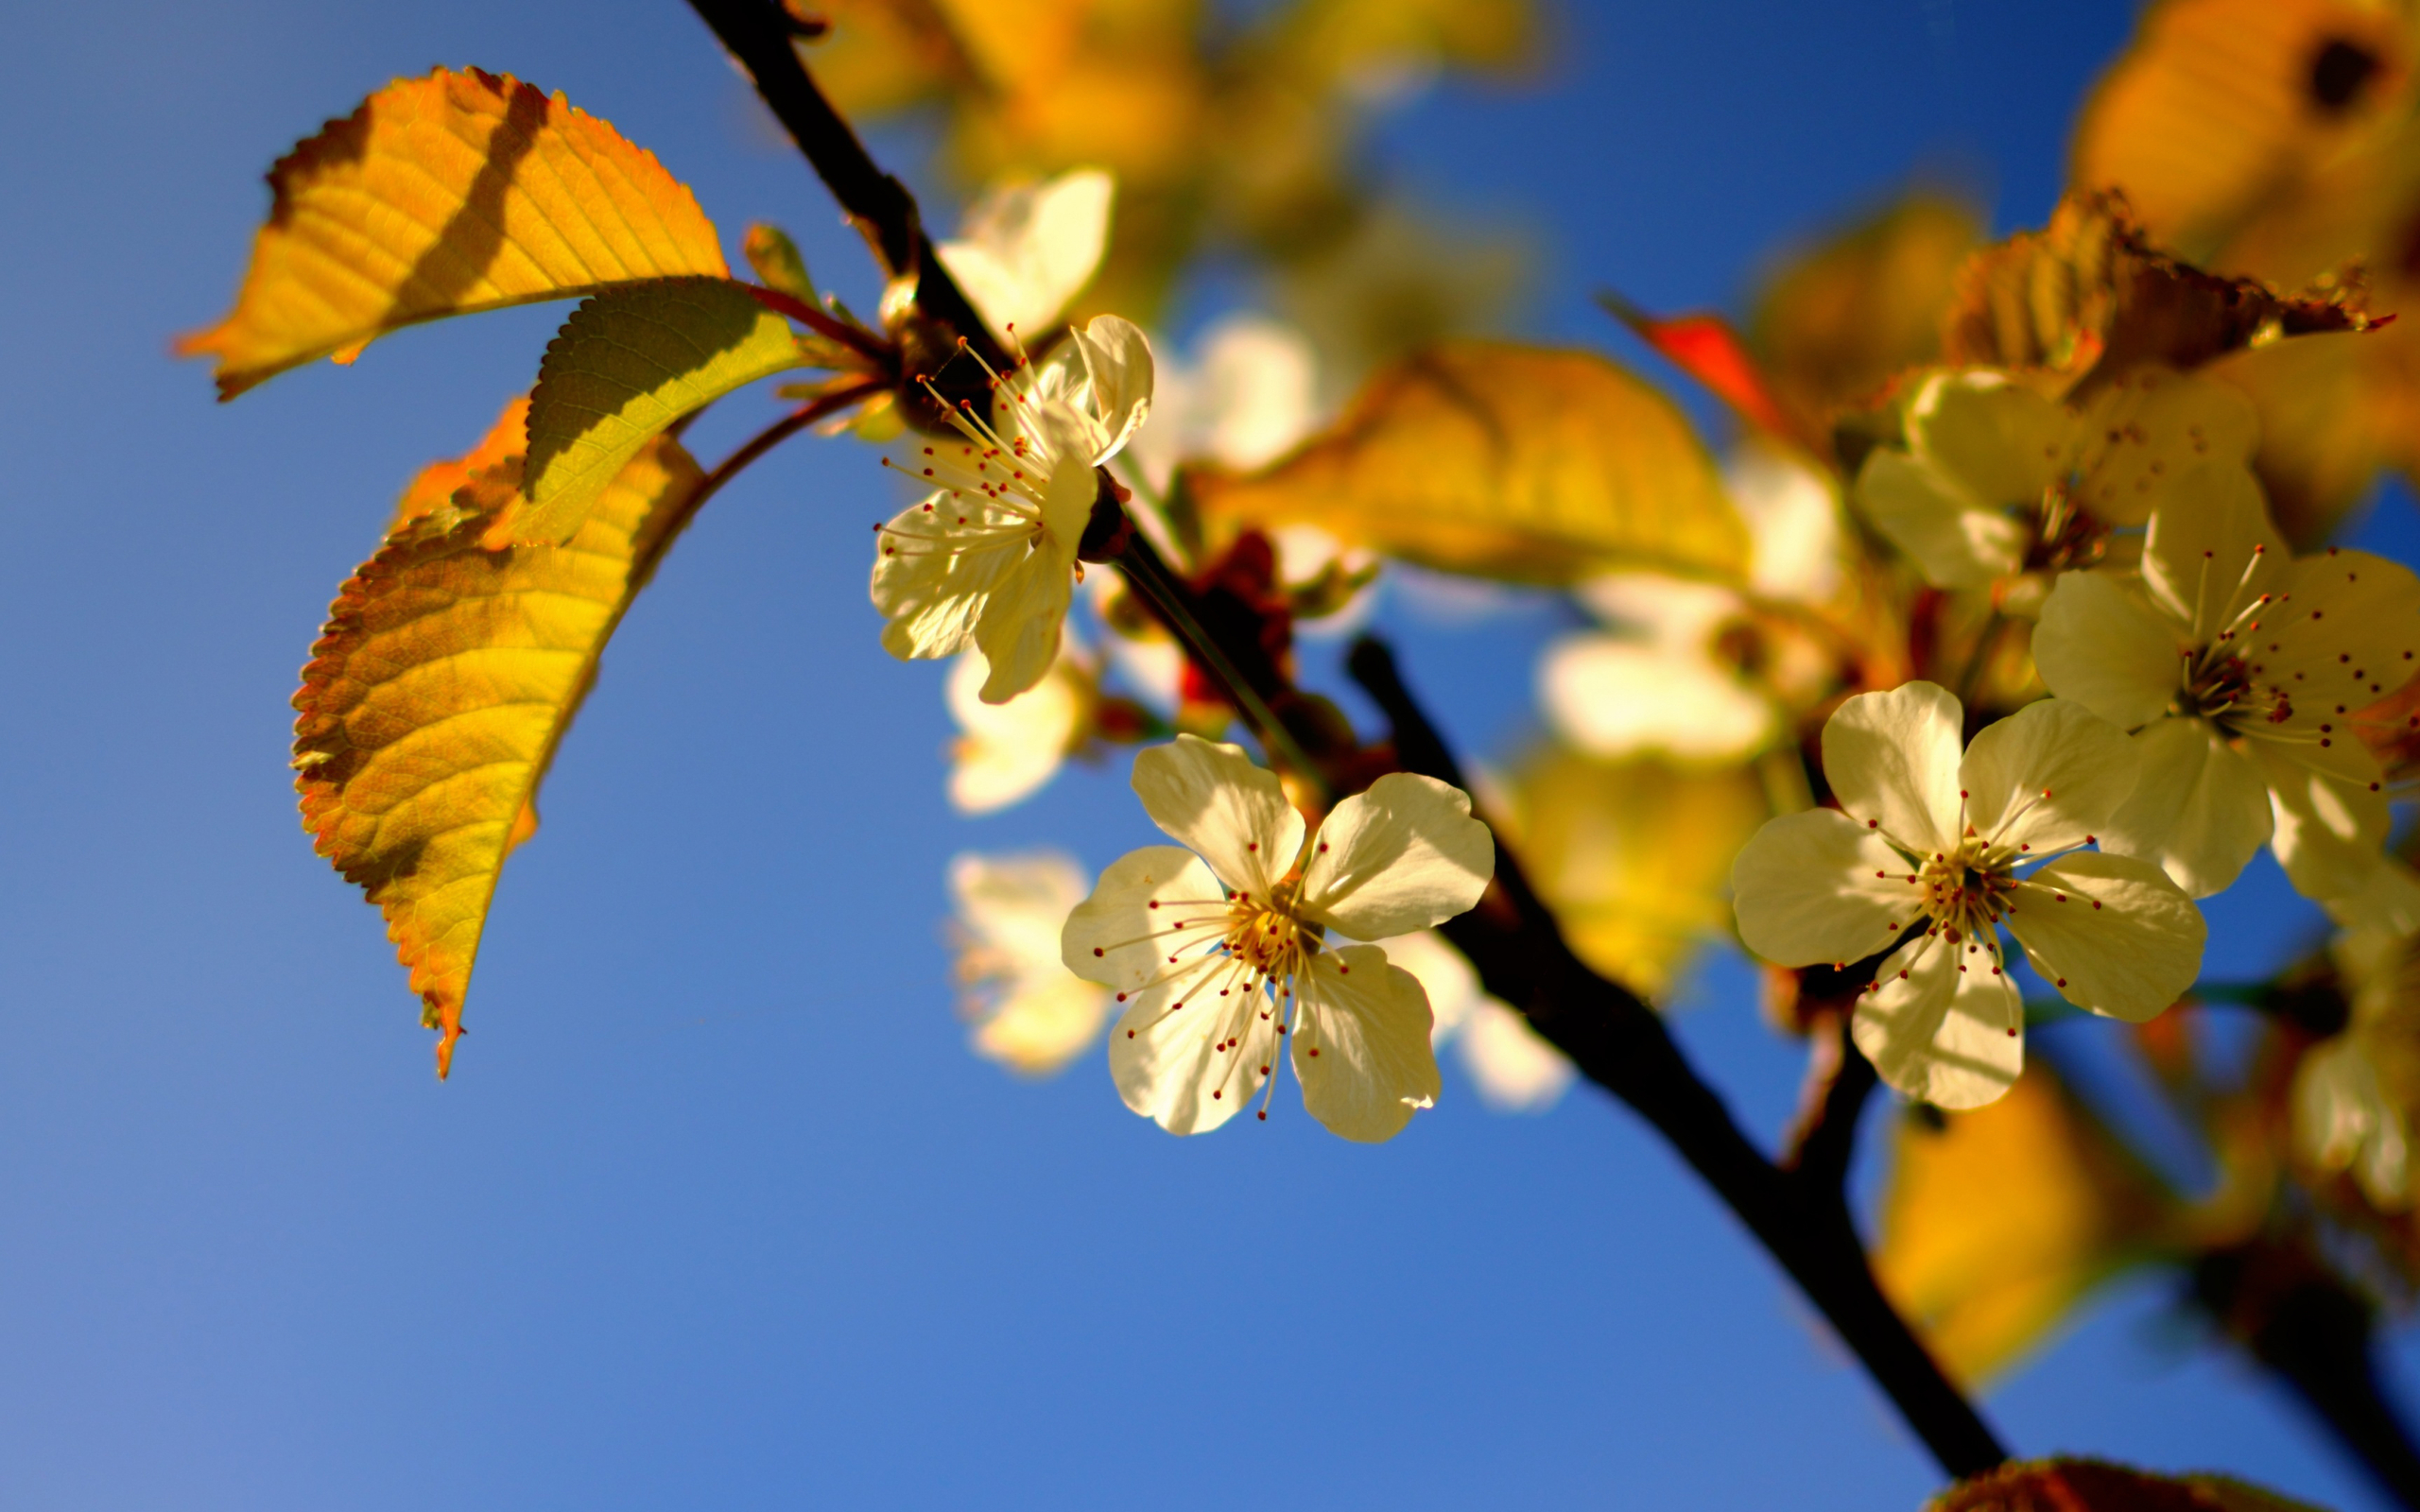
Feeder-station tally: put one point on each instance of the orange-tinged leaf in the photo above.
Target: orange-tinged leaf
(2095, 1486)
(1706, 348)
(2090, 294)
(1997, 1225)
(437, 484)
(450, 666)
(1837, 322)
(442, 196)
(1505, 461)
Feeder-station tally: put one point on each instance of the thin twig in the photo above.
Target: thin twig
(1622, 1044)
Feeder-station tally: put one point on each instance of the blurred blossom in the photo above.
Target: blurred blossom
(1794, 528)
(1997, 480)
(1007, 752)
(1514, 1069)
(2355, 1094)
(1653, 685)
(1248, 395)
(1030, 1012)
(1026, 249)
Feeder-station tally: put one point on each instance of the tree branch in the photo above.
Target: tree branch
(1620, 1043)
(760, 35)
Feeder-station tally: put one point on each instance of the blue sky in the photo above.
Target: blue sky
(716, 1210)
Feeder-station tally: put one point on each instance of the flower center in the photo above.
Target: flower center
(1966, 890)
(2066, 536)
(1265, 936)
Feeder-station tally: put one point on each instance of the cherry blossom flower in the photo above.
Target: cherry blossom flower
(1030, 1012)
(1996, 478)
(2240, 669)
(1922, 861)
(1219, 950)
(1008, 751)
(989, 561)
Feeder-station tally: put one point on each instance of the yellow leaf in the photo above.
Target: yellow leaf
(1998, 1224)
(2095, 1486)
(1838, 322)
(1636, 856)
(443, 196)
(450, 666)
(1504, 461)
(628, 363)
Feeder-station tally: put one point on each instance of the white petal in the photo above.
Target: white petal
(2048, 777)
(1512, 1065)
(1010, 749)
(2199, 812)
(1951, 1037)
(2148, 429)
(1018, 632)
(931, 579)
(1794, 526)
(1232, 813)
(1403, 856)
(2211, 549)
(1041, 1025)
(1362, 1044)
(2000, 440)
(1614, 697)
(1150, 904)
(1186, 1057)
(1956, 540)
(1893, 758)
(1029, 249)
(1818, 888)
(1117, 359)
(2126, 941)
(2347, 633)
(2330, 830)
(2100, 646)
(1446, 974)
(1014, 908)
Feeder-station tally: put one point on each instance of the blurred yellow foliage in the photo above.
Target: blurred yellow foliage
(1633, 856)
(1998, 1224)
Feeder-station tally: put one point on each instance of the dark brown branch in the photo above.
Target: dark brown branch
(2319, 1339)
(1839, 1079)
(1620, 1043)
(760, 35)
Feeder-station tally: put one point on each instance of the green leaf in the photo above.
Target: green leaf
(625, 366)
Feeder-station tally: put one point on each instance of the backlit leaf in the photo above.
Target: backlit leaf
(627, 364)
(1838, 322)
(1505, 461)
(442, 196)
(2095, 1486)
(450, 666)
(1997, 1225)
(2090, 293)
(1706, 347)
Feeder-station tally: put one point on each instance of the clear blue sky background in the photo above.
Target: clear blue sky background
(716, 1210)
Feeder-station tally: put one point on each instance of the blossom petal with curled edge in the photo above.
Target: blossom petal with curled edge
(2048, 777)
(1891, 759)
(1360, 1045)
(2099, 646)
(1956, 540)
(1028, 249)
(1998, 439)
(1117, 364)
(1215, 800)
(2201, 811)
(1949, 1037)
(1403, 856)
(2112, 934)
(1819, 889)
(1145, 906)
(442, 196)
